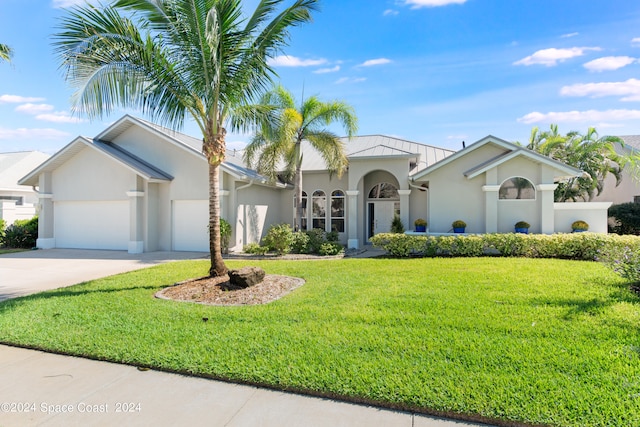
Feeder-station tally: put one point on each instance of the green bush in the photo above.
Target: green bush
(3, 225)
(279, 238)
(396, 225)
(623, 257)
(300, 243)
(22, 234)
(332, 236)
(625, 218)
(330, 248)
(255, 249)
(225, 235)
(316, 239)
(579, 246)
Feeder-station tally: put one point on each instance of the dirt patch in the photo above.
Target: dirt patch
(216, 290)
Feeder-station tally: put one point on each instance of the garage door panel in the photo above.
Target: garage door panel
(92, 225)
(190, 225)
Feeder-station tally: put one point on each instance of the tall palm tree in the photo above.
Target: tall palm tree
(178, 58)
(595, 155)
(278, 149)
(5, 53)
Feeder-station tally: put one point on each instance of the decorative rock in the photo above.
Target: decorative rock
(246, 276)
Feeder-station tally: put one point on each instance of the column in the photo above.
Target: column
(404, 207)
(491, 208)
(547, 213)
(136, 222)
(353, 224)
(46, 238)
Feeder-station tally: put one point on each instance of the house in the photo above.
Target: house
(141, 187)
(629, 188)
(18, 201)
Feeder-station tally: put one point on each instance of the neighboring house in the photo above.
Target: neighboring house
(141, 187)
(18, 201)
(629, 188)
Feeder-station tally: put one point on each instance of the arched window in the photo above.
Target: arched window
(304, 210)
(517, 188)
(384, 190)
(319, 212)
(337, 211)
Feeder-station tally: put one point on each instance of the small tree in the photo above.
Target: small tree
(396, 225)
(625, 218)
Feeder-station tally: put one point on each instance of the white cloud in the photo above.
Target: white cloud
(609, 63)
(34, 108)
(635, 41)
(16, 99)
(390, 12)
(327, 70)
(68, 3)
(25, 133)
(59, 117)
(628, 90)
(417, 4)
(372, 62)
(350, 80)
(550, 57)
(292, 61)
(589, 116)
(566, 36)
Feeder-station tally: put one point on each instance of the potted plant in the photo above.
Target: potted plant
(458, 226)
(522, 227)
(579, 226)
(421, 225)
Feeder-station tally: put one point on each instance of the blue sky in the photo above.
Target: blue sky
(431, 71)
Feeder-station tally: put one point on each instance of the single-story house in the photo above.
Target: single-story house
(18, 201)
(141, 187)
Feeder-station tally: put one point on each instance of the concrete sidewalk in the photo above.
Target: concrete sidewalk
(42, 389)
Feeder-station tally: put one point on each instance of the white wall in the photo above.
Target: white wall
(594, 214)
(10, 212)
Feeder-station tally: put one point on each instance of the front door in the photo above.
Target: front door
(380, 215)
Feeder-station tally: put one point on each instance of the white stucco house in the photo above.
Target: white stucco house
(18, 201)
(140, 187)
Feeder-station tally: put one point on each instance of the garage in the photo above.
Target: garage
(190, 225)
(92, 225)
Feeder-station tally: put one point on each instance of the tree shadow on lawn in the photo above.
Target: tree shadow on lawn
(576, 307)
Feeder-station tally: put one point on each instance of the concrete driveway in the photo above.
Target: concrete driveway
(24, 273)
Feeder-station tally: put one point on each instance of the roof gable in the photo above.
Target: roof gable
(14, 165)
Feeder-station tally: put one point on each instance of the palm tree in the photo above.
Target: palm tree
(178, 58)
(5, 52)
(594, 155)
(278, 149)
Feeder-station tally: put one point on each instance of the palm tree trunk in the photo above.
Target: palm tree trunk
(213, 149)
(298, 187)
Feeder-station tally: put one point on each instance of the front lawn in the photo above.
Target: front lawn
(544, 341)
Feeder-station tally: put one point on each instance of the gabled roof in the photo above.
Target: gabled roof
(632, 141)
(14, 165)
(126, 159)
(378, 147)
(513, 151)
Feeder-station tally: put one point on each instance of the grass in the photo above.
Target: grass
(540, 341)
(11, 250)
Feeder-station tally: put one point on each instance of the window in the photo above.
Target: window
(384, 190)
(18, 199)
(517, 188)
(304, 211)
(319, 206)
(337, 211)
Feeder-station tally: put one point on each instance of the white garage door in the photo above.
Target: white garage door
(190, 225)
(92, 225)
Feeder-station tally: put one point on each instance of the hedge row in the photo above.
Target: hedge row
(579, 246)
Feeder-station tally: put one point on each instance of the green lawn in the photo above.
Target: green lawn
(10, 251)
(544, 341)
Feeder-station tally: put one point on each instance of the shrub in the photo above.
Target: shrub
(623, 257)
(626, 218)
(396, 225)
(332, 236)
(579, 225)
(522, 224)
(225, 235)
(22, 234)
(3, 225)
(255, 249)
(458, 223)
(330, 248)
(420, 222)
(300, 243)
(316, 239)
(279, 238)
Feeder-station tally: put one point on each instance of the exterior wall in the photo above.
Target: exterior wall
(10, 212)
(418, 207)
(594, 214)
(623, 193)
(255, 212)
(452, 196)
